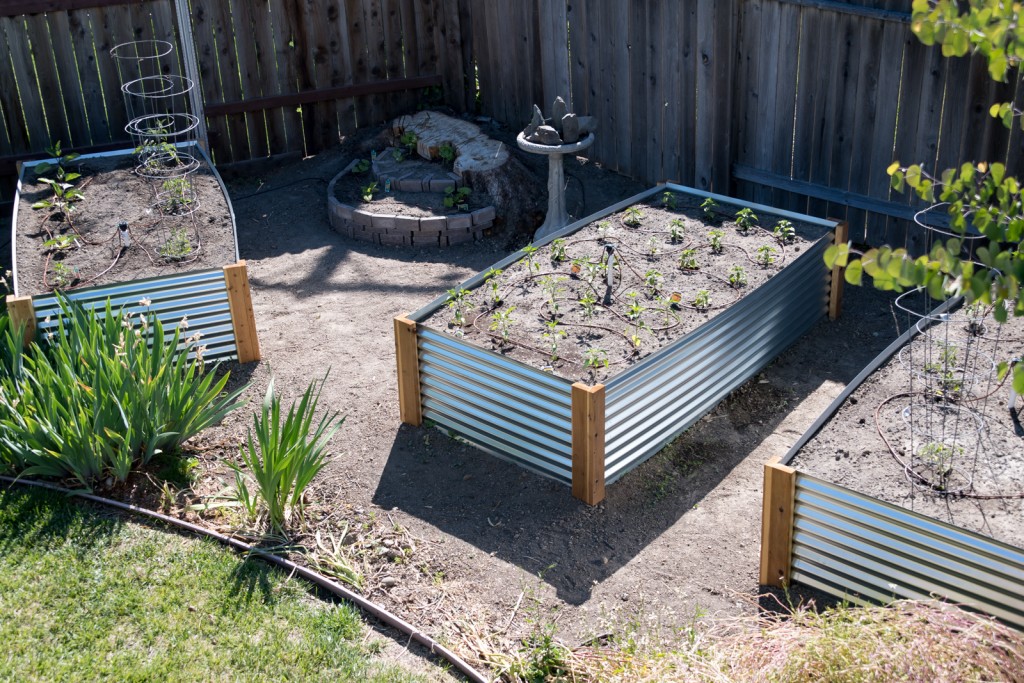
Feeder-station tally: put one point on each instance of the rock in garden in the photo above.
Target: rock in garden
(535, 122)
(570, 129)
(546, 135)
(558, 111)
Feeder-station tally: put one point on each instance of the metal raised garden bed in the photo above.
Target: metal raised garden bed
(863, 549)
(216, 301)
(588, 436)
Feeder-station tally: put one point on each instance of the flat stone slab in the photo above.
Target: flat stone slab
(475, 151)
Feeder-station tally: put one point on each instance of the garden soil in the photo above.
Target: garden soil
(473, 550)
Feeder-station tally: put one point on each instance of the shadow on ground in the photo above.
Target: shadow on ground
(535, 523)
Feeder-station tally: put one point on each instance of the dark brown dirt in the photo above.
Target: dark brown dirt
(980, 486)
(494, 550)
(114, 193)
(534, 310)
(473, 550)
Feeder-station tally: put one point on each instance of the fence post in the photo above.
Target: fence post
(407, 357)
(243, 320)
(777, 523)
(588, 442)
(22, 314)
(835, 293)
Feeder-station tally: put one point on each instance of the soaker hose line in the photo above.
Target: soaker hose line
(320, 580)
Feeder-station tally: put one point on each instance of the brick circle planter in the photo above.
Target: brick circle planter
(362, 223)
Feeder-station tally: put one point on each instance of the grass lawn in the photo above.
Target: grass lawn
(86, 595)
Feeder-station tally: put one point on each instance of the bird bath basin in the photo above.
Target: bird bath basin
(557, 217)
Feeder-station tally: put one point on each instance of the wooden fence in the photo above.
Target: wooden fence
(799, 103)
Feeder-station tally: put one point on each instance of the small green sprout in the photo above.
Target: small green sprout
(784, 231)
(702, 299)
(765, 255)
(737, 276)
(745, 220)
(676, 230)
(708, 207)
(715, 237)
(688, 259)
(633, 216)
(502, 322)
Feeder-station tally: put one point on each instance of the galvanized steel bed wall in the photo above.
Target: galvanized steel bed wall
(200, 295)
(655, 400)
(525, 415)
(501, 405)
(863, 549)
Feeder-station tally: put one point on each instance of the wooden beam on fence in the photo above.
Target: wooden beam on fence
(407, 358)
(321, 95)
(243, 319)
(22, 314)
(14, 8)
(777, 523)
(835, 290)
(588, 442)
(831, 194)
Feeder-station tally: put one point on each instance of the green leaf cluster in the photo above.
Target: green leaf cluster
(102, 396)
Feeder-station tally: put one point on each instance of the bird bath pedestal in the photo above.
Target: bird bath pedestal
(557, 217)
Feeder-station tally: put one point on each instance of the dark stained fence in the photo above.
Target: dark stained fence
(800, 104)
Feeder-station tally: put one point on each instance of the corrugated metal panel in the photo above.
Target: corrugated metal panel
(651, 403)
(201, 295)
(863, 549)
(505, 407)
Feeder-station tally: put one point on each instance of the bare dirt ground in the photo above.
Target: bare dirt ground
(477, 551)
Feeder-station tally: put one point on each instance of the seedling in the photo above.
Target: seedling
(553, 336)
(177, 196)
(409, 140)
(589, 304)
(667, 305)
(552, 287)
(457, 303)
(668, 200)
(362, 166)
(62, 160)
(737, 276)
(367, 191)
(447, 154)
(708, 207)
(745, 220)
(595, 358)
(940, 456)
(634, 334)
(63, 199)
(676, 230)
(653, 246)
(398, 154)
(60, 243)
(765, 255)
(63, 276)
(633, 216)
(784, 232)
(558, 251)
(491, 278)
(457, 198)
(605, 230)
(502, 322)
(634, 310)
(592, 272)
(688, 259)
(715, 237)
(177, 247)
(652, 279)
(529, 251)
(702, 299)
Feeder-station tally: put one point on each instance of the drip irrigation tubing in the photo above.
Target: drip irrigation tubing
(380, 613)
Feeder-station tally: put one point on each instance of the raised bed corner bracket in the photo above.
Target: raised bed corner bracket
(236, 279)
(22, 314)
(777, 523)
(588, 442)
(835, 291)
(407, 360)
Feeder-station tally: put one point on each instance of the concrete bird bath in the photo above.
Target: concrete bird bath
(557, 217)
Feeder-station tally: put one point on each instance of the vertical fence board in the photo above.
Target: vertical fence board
(579, 63)
(652, 150)
(376, 59)
(16, 122)
(641, 92)
(253, 72)
(786, 92)
(210, 77)
(66, 102)
(291, 78)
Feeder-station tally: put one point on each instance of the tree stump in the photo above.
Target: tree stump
(483, 163)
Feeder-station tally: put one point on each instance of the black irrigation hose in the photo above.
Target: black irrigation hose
(320, 580)
(279, 187)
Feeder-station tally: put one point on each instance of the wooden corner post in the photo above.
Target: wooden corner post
(23, 315)
(835, 293)
(777, 523)
(588, 442)
(243, 320)
(407, 356)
